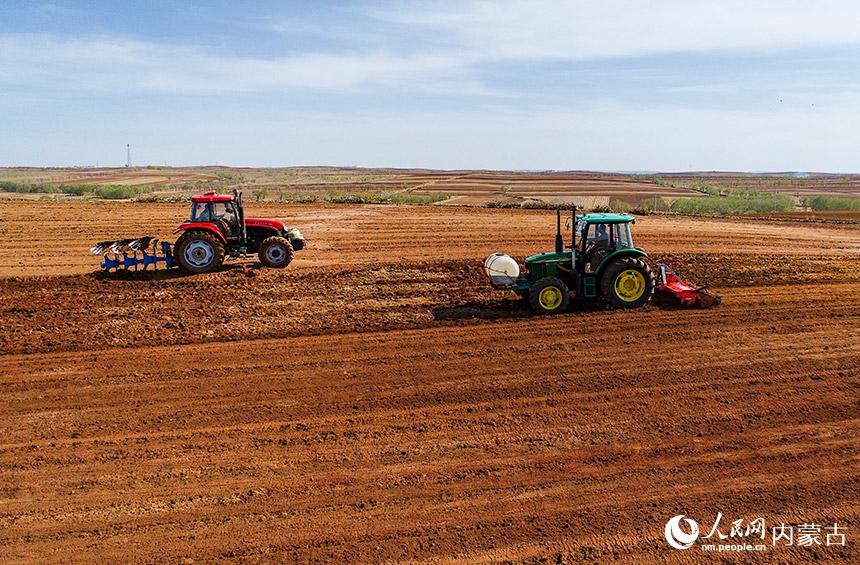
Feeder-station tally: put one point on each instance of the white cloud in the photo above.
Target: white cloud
(588, 29)
(450, 42)
(118, 65)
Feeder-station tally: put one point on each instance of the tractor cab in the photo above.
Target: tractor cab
(224, 214)
(223, 210)
(601, 235)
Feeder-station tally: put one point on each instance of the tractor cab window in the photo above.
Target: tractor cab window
(225, 211)
(622, 236)
(596, 245)
(597, 236)
(579, 230)
(200, 212)
(226, 218)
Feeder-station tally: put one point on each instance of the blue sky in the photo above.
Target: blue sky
(614, 85)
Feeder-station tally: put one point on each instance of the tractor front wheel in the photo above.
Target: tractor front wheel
(198, 252)
(627, 283)
(549, 296)
(276, 252)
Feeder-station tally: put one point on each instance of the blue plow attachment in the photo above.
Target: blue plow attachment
(134, 254)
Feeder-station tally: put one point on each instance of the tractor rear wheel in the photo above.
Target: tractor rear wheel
(276, 252)
(549, 295)
(627, 283)
(198, 252)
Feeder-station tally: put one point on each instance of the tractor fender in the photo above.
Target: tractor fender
(628, 252)
(205, 226)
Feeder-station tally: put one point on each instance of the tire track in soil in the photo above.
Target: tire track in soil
(504, 458)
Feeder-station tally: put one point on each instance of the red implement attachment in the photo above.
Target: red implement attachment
(670, 284)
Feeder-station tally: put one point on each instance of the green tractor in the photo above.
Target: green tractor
(600, 263)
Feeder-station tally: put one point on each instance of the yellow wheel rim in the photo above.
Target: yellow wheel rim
(550, 298)
(630, 285)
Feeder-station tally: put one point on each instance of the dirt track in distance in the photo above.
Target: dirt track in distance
(378, 401)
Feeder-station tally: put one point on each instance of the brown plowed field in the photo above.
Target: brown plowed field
(377, 401)
(586, 189)
(149, 176)
(846, 185)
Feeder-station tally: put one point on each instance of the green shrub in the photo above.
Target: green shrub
(164, 198)
(533, 204)
(120, 191)
(369, 197)
(507, 203)
(30, 188)
(47, 188)
(652, 206)
(620, 206)
(346, 198)
(705, 188)
(109, 191)
(834, 203)
(77, 189)
(734, 205)
(299, 197)
(412, 198)
(230, 177)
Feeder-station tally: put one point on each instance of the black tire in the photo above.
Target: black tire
(276, 252)
(549, 296)
(627, 283)
(198, 252)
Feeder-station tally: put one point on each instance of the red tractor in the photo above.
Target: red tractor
(216, 229)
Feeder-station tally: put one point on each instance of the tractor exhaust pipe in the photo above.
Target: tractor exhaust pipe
(573, 238)
(559, 242)
(240, 208)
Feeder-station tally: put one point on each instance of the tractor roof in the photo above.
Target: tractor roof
(603, 218)
(212, 197)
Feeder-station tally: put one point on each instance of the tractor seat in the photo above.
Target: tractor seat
(597, 256)
(226, 227)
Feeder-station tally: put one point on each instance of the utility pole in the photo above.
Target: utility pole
(128, 155)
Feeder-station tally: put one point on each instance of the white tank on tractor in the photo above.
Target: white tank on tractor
(502, 269)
